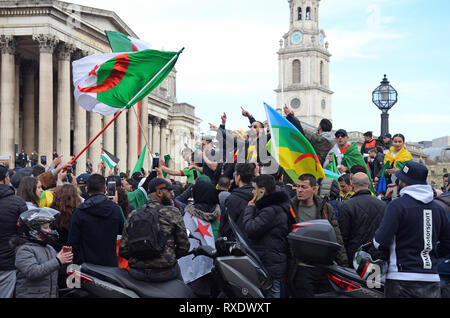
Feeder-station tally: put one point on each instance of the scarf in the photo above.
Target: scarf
(399, 159)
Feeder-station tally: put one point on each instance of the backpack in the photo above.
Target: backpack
(145, 239)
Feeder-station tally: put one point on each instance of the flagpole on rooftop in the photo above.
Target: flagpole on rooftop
(127, 106)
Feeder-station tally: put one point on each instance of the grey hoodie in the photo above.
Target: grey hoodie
(37, 271)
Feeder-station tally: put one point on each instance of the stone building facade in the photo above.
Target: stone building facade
(39, 40)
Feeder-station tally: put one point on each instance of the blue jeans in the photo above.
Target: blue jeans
(7, 283)
(275, 291)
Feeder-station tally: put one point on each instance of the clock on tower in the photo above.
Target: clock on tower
(304, 62)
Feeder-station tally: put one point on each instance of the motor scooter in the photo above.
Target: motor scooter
(314, 244)
(237, 271)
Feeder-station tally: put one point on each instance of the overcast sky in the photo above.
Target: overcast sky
(230, 57)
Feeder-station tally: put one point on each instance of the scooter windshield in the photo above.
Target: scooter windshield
(246, 248)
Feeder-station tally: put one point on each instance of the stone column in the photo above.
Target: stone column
(108, 135)
(29, 140)
(121, 151)
(132, 138)
(144, 132)
(17, 123)
(163, 142)
(156, 130)
(150, 134)
(64, 101)
(95, 125)
(7, 97)
(80, 134)
(47, 44)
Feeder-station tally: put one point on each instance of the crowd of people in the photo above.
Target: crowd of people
(50, 216)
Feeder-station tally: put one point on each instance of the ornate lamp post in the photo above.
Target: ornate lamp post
(384, 97)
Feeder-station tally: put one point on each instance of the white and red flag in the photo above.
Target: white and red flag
(193, 268)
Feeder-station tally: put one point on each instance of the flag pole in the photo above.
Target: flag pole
(145, 137)
(98, 135)
(125, 107)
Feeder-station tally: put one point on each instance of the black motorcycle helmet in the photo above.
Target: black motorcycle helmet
(30, 222)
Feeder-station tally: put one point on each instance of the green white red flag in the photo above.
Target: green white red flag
(106, 83)
(120, 42)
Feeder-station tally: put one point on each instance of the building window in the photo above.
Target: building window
(308, 13)
(296, 71)
(299, 13)
(321, 73)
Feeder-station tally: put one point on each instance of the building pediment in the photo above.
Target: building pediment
(67, 20)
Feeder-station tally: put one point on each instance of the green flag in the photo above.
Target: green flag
(140, 163)
(333, 166)
(166, 163)
(352, 156)
(120, 42)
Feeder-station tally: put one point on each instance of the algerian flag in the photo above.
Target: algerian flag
(106, 83)
(120, 42)
(109, 158)
(140, 162)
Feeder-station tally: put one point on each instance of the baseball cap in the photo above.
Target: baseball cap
(159, 184)
(387, 136)
(82, 178)
(413, 173)
(341, 132)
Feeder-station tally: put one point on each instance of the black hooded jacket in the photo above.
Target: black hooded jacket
(235, 205)
(93, 231)
(11, 206)
(266, 225)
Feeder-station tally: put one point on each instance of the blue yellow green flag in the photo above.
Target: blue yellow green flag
(290, 148)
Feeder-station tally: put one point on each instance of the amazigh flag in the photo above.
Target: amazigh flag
(193, 268)
(290, 148)
(120, 42)
(106, 83)
(140, 163)
(109, 158)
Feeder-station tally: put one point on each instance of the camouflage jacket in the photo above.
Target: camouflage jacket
(177, 245)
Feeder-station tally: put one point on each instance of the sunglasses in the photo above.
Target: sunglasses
(340, 136)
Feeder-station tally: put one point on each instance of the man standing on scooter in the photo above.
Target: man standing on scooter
(308, 281)
(410, 230)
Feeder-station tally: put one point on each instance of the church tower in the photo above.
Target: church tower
(304, 63)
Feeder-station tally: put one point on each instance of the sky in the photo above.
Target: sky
(230, 58)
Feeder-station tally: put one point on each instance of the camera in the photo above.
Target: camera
(155, 162)
(111, 189)
(43, 160)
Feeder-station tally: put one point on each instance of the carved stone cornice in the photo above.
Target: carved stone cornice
(7, 44)
(47, 42)
(65, 50)
(11, 12)
(78, 54)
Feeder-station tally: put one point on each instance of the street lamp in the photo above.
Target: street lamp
(384, 97)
